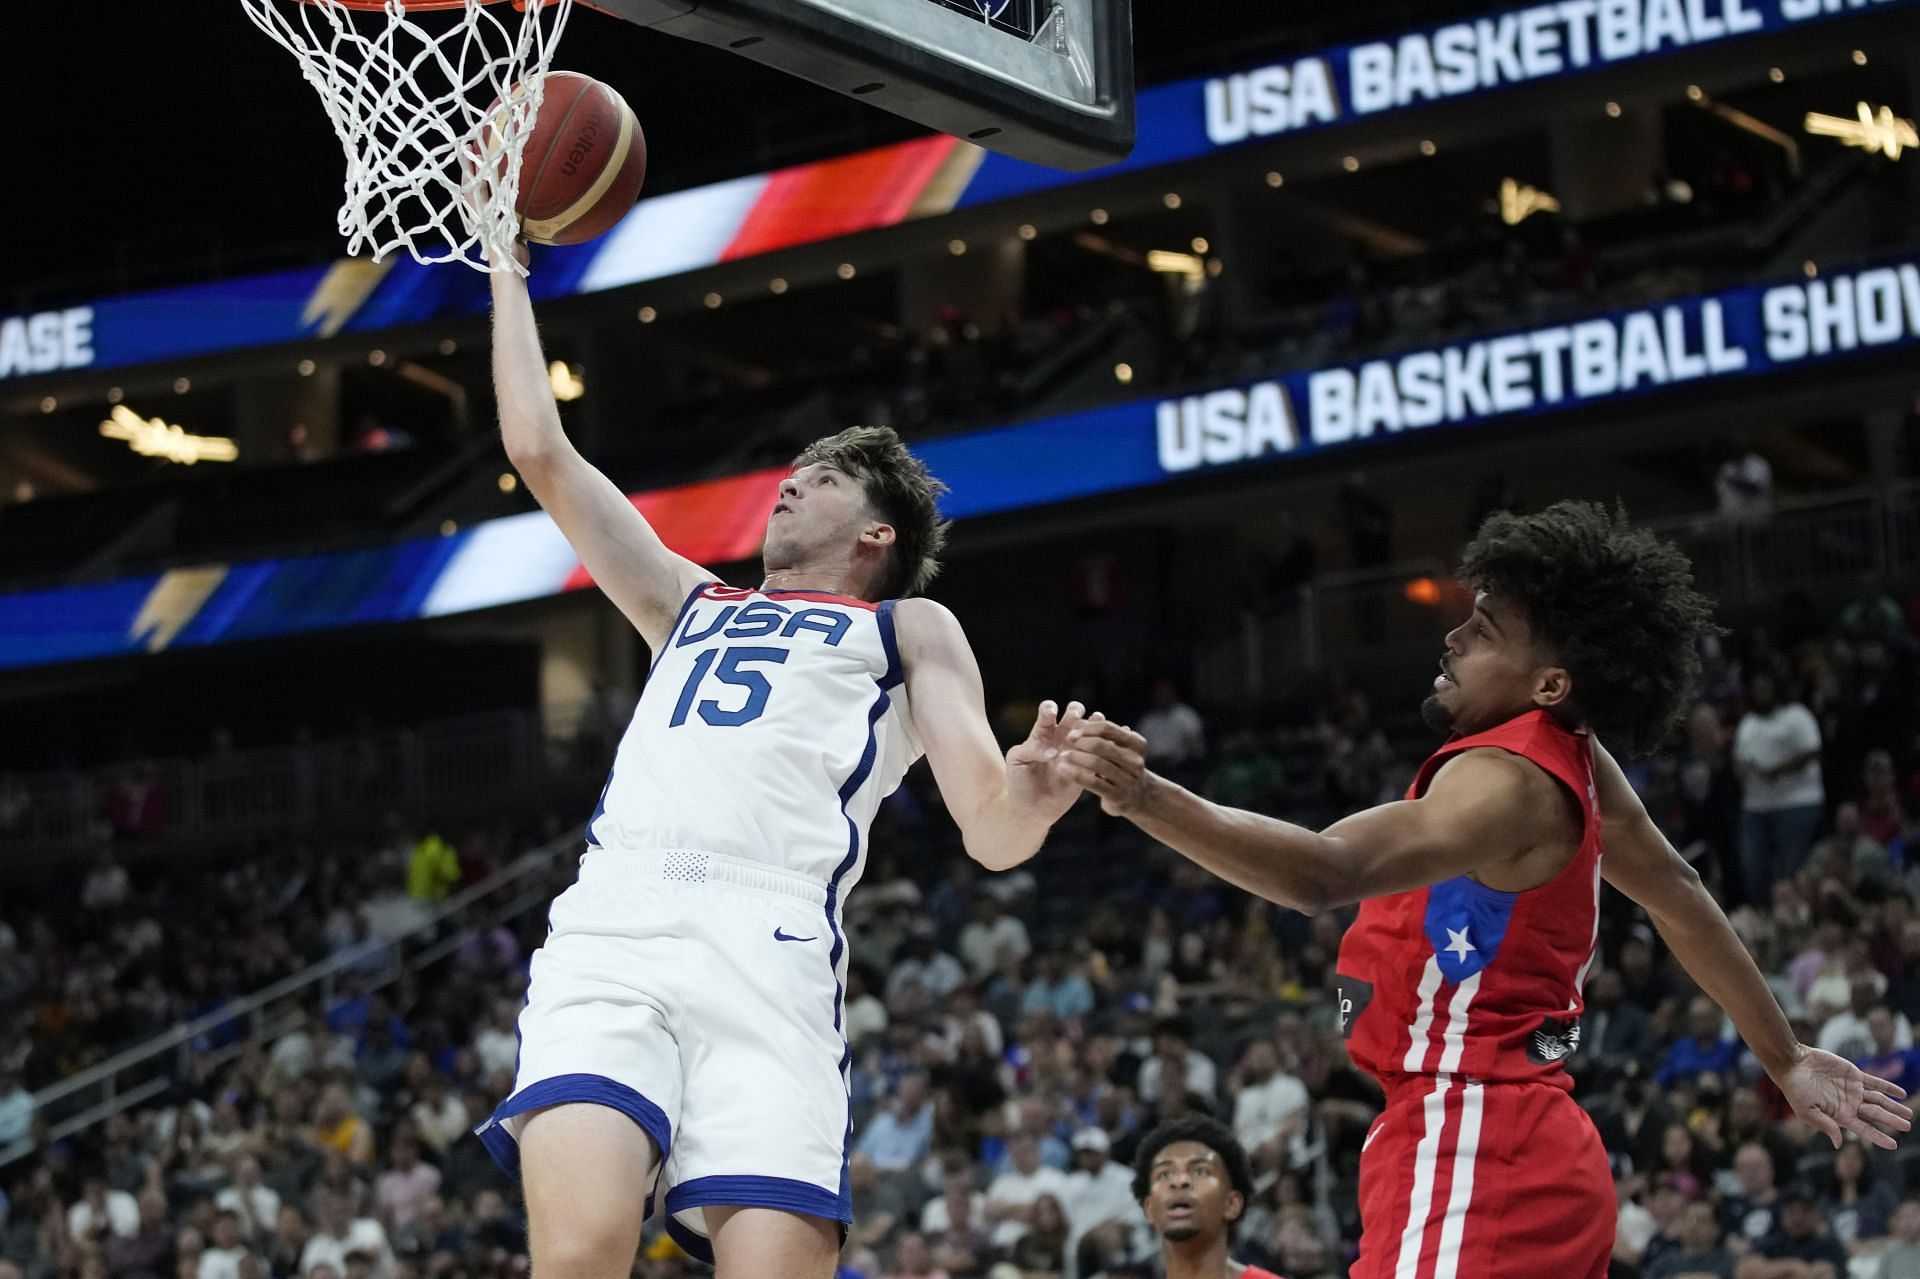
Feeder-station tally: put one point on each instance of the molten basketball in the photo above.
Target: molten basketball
(583, 164)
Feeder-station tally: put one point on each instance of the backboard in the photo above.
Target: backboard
(1049, 81)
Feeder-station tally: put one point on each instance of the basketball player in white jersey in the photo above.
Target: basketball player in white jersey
(681, 1045)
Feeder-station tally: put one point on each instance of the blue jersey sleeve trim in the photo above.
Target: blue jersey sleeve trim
(782, 1193)
(895, 674)
(596, 1089)
(679, 618)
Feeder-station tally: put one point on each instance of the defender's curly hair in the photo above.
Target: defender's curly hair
(1615, 604)
(1201, 1130)
(901, 491)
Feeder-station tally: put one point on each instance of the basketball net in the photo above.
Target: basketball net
(427, 170)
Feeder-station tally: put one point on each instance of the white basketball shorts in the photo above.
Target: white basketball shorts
(700, 996)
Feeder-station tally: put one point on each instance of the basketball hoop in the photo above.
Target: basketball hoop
(414, 90)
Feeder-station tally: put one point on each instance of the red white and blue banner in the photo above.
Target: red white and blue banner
(1501, 378)
(728, 221)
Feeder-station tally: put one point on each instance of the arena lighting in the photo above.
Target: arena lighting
(567, 386)
(151, 437)
(1871, 130)
(1518, 202)
(1422, 590)
(1168, 262)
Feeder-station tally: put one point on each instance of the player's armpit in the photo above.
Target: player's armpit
(1483, 812)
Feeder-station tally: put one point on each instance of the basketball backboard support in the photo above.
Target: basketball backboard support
(1048, 81)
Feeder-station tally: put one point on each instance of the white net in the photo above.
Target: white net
(433, 164)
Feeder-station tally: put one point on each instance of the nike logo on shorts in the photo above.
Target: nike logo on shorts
(781, 935)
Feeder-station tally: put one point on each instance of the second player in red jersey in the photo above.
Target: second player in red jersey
(1460, 981)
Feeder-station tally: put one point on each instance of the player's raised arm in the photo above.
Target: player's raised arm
(1003, 806)
(627, 559)
(1479, 801)
(1827, 1091)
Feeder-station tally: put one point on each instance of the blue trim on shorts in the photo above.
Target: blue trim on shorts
(779, 1193)
(596, 1089)
(691, 1241)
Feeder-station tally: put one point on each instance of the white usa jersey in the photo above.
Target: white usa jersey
(771, 727)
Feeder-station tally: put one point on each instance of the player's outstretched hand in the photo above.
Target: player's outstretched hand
(1837, 1097)
(1034, 765)
(1108, 760)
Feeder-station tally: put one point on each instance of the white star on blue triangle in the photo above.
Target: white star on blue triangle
(1457, 944)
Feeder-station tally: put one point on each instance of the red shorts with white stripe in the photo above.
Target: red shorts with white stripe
(1468, 1180)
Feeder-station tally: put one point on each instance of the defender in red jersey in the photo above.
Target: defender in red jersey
(1460, 980)
(1193, 1181)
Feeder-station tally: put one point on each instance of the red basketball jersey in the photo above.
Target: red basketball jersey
(1459, 978)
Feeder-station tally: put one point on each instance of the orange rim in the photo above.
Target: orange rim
(378, 5)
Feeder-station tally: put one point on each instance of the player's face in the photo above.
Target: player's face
(1188, 1193)
(1491, 671)
(821, 515)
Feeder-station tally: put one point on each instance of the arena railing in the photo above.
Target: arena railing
(151, 1069)
(469, 767)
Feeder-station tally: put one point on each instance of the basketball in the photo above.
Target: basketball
(583, 164)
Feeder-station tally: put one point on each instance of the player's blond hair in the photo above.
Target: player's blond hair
(900, 490)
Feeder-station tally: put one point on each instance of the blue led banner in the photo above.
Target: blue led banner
(729, 221)
(1511, 376)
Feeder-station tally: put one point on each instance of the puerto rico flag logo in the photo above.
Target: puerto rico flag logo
(1465, 924)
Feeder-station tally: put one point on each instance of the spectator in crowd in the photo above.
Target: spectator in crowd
(1753, 1213)
(1176, 735)
(1901, 1258)
(1173, 1052)
(252, 1201)
(433, 869)
(898, 1137)
(405, 1186)
(1700, 1254)
(1705, 1049)
(1889, 1060)
(1743, 485)
(1269, 1107)
(1058, 988)
(1099, 1198)
(1801, 1247)
(1855, 1202)
(102, 1212)
(1011, 1196)
(226, 1247)
(992, 932)
(1776, 750)
(339, 1233)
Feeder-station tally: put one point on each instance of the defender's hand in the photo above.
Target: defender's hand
(1109, 760)
(1836, 1096)
(1033, 767)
